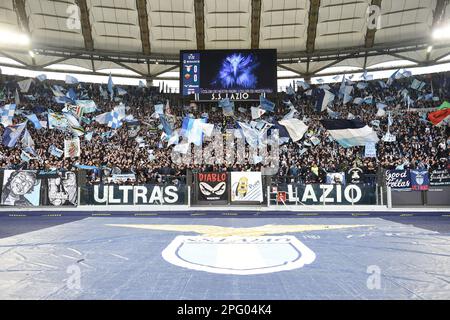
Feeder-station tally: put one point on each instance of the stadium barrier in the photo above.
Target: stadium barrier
(28, 188)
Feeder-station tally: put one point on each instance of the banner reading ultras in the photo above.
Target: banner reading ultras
(228, 71)
(123, 195)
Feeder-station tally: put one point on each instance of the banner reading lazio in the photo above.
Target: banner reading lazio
(212, 186)
(246, 186)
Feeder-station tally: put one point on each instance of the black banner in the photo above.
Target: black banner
(129, 195)
(440, 177)
(329, 194)
(398, 179)
(212, 186)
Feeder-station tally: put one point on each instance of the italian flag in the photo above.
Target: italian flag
(442, 113)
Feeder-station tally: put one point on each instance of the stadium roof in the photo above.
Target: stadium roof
(145, 36)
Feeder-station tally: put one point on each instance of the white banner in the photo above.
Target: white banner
(246, 186)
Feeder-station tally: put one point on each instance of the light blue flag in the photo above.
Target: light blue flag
(54, 151)
(41, 77)
(303, 84)
(112, 120)
(7, 114)
(121, 91)
(88, 136)
(166, 125)
(110, 86)
(34, 119)
(141, 84)
(12, 134)
(56, 121)
(27, 141)
(289, 90)
(88, 106)
(266, 104)
(71, 79)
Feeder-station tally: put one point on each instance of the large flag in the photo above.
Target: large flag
(72, 148)
(195, 134)
(12, 134)
(71, 79)
(323, 100)
(7, 114)
(24, 85)
(438, 116)
(33, 118)
(295, 127)
(266, 104)
(349, 133)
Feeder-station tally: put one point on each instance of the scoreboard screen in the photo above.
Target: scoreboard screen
(228, 71)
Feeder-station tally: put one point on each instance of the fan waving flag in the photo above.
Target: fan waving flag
(33, 118)
(350, 133)
(12, 134)
(324, 99)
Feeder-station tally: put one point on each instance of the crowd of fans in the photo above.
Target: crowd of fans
(419, 144)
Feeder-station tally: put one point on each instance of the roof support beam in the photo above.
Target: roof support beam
(290, 69)
(438, 14)
(256, 21)
(57, 61)
(141, 6)
(85, 24)
(199, 10)
(19, 7)
(370, 34)
(312, 25)
(14, 58)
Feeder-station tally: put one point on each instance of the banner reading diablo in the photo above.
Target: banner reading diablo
(21, 188)
(246, 186)
(212, 186)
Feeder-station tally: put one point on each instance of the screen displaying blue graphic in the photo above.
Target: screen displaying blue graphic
(228, 71)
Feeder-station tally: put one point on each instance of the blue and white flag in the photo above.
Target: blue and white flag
(24, 85)
(347, 94)
(295, 127)
(266, 104)
(54, 151)
(7, 114)
(141, 84)
(27, 141)
(325, 97)
(88, 106)
(166, 125)
(88, 136)
(390, 120)
(362, 85)
(71, 79)
(112, 120)
(41, 77)
(195, 134)
(121, 91)
(57, 121)
(12, 134)
(227, 107)
(101, 118)
(350, 133)
(392, 78)
(290, 91)
(159, 108)
(34, 119)
(110, 86)
(251, 134)
(303, 84)
(358, 101)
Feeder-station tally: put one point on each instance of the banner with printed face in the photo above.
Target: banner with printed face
(21, 188)
(212, 186)
(246, 186)
(440, 177)
(62, 190)
(398, 179)
(419, 180)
